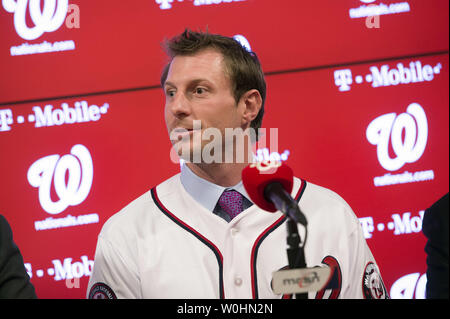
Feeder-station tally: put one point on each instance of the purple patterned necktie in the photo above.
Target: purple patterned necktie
(231, 202)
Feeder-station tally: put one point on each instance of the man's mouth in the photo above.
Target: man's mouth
(184, 129)
(179, 133)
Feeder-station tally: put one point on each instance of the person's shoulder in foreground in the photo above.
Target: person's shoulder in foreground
(435, 227)
(14, 280)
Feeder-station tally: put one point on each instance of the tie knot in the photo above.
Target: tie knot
(231, 202)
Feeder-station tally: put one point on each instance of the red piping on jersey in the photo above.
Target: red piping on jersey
(262, 236)
(258, 241)
(199, 236)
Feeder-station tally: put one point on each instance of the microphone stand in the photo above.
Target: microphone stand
(295, 252)
(284, 202)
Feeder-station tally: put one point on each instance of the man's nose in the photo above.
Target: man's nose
(180, 106)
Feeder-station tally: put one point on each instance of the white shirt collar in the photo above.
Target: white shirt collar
(203, 191)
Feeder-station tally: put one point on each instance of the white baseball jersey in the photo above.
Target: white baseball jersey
(164, 244)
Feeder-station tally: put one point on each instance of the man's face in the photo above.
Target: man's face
(197, 88)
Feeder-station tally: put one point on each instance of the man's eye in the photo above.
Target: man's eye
(200, 90)
(170, 93)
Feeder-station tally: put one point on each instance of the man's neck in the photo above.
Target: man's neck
(223, 174)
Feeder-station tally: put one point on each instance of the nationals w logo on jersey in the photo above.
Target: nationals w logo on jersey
(51, 170)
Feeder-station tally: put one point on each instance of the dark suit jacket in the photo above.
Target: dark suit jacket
(435, 228)
(14, 280)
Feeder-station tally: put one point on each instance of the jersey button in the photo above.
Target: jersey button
(238, 281)
(234, 231)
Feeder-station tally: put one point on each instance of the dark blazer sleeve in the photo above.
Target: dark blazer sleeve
(14, 280)
(435, 227)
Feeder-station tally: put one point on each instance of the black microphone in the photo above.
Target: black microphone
(269, 185)
(284, 202)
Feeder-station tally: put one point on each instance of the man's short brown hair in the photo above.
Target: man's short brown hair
(243, 67)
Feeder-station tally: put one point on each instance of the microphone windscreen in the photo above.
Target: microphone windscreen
(258, 175)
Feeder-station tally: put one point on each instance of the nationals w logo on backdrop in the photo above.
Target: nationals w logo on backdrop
(51, 170)
(408, 133)
(49, 19)
(33, 18)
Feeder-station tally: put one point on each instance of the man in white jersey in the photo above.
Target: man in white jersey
(198, 234)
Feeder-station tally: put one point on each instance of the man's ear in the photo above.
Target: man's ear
(251, 102)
